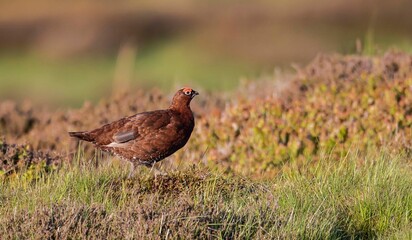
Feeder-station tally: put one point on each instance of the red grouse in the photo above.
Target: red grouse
(148, 137)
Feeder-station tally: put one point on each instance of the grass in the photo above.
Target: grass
(184, 62)
(72, 81)
(356, 197)
(166, 65)
(28, 76)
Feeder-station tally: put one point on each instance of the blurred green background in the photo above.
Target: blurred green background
(62, 53)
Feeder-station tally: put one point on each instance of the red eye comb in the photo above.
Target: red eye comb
(186, 89)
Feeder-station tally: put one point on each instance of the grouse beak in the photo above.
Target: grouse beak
(194, 93)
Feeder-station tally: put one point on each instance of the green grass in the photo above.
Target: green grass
(72, 81)
(184, 62)
(167, 64)
(28, 76)
(351, 198)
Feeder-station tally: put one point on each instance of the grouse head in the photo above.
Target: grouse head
(183, 97)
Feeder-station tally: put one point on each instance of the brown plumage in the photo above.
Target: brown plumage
(148, 137)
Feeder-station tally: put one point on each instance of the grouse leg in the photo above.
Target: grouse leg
(131, 171)
(156, 170)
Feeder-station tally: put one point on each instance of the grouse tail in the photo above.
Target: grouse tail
(85, 136)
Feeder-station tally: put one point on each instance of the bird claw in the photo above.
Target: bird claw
(157, 171)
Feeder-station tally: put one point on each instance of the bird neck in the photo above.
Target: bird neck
(181, 105)
(184, 111)
(182, 108)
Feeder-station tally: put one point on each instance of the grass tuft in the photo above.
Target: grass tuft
(353, 197)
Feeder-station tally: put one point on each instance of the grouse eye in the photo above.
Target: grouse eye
(188, 92)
